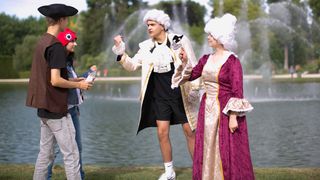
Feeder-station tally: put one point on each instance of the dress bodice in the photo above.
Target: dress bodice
(210, 75)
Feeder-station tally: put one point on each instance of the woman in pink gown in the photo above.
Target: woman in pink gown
(222, 146)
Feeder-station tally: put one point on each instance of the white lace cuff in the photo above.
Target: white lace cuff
(240, 106)
(181, 74)
(120, 49)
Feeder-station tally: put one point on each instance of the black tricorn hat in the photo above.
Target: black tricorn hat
(57, 10)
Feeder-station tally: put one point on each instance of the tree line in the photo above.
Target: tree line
(95, 28)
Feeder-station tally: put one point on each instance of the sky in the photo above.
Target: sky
(25, 8)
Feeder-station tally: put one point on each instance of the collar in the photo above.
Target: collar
(166, 41)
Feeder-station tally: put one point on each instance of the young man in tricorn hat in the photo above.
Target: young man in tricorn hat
(48, 91)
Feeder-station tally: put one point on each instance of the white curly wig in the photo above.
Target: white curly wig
(158, 16)
(223, 30)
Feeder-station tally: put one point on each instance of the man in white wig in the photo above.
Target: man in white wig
(162, 106)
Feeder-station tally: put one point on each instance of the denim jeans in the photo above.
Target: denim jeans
(61, 132)
(74, 112)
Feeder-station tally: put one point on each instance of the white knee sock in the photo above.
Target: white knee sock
(168, 166)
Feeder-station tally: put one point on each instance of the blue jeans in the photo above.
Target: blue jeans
(74, 112)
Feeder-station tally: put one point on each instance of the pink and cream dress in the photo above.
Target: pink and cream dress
(219, 154)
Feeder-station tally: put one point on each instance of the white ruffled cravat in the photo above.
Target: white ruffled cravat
(162, 58)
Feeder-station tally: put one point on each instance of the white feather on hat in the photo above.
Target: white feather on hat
(223, 30)
(158, 16)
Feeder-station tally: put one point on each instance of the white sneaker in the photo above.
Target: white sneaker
(164, 176)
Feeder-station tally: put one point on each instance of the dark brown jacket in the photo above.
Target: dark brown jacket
(41, 93)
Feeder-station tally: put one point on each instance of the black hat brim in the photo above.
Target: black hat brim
(57, 10)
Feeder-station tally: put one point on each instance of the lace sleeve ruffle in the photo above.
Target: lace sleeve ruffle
(240, 106)
(181, 75)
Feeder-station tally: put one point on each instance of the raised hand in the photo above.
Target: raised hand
(117, 40)
(119, 46)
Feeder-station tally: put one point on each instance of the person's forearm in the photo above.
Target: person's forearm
(62, 83)
(58, 81)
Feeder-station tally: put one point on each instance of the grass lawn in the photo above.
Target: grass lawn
(17, 172)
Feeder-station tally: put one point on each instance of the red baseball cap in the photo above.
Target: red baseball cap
(66, 36)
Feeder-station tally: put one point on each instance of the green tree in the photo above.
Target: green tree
(253, 10)
(274, 1)
(276, 50)
(9, 38)
(315, 6)
(235, 7)
(6, 70)
(195, 13)
(13, 30)
(97, 26)
(190, 14)
(32, 26)
(22, 59)
(314, 35)
(295, 34)
(228, 6)
(102, 17)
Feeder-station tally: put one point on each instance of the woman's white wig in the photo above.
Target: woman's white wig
(223, 30)
(158, 16)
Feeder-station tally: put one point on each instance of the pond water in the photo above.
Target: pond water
(283, 127)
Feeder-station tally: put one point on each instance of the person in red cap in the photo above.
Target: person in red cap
(68, 40)
(48, 92)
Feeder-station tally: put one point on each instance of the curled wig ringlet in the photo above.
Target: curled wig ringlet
(223, 30)
(159, 16)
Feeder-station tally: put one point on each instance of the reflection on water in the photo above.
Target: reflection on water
(282, 128)
(285, 133)
(280, 91)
